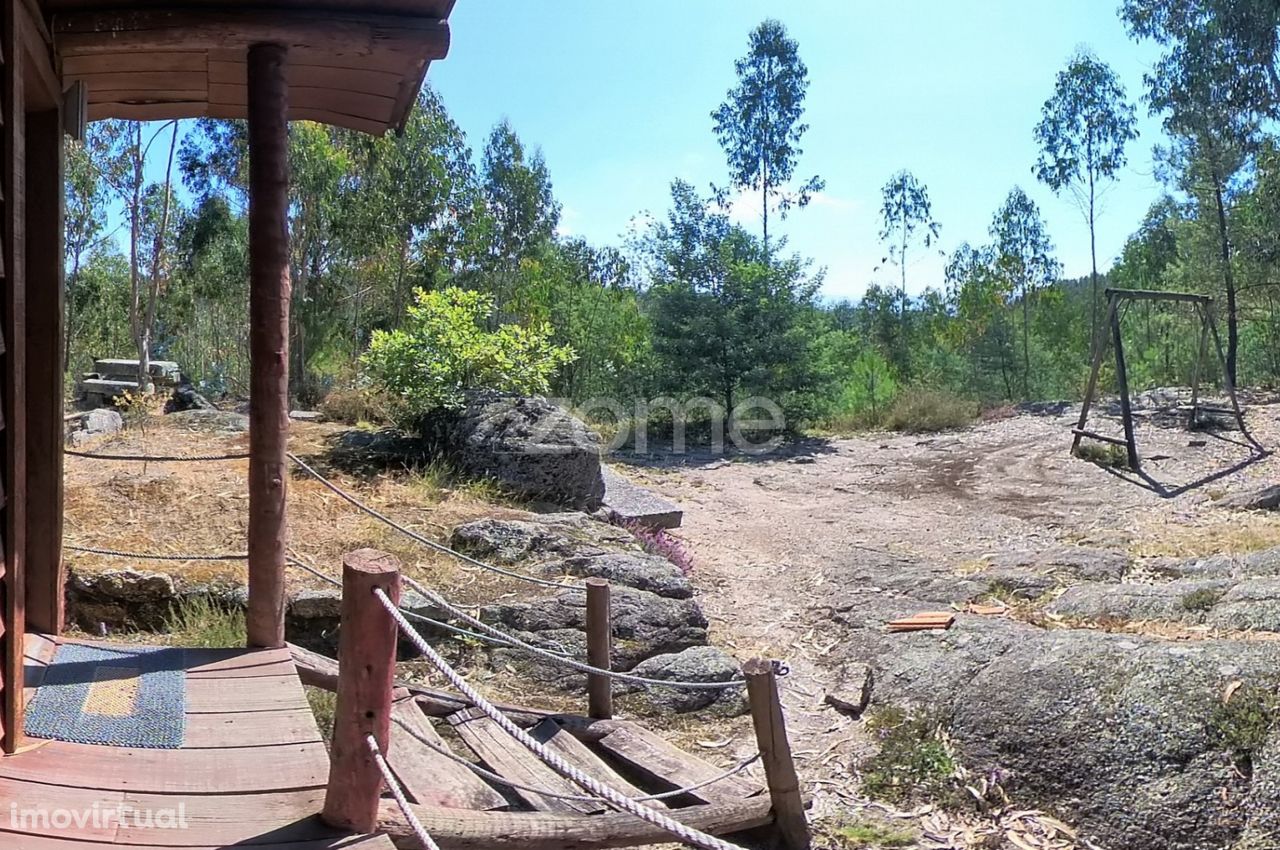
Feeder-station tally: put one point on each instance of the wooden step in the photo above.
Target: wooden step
(670, 767)
(428, 777)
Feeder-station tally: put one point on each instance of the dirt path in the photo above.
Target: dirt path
(781, 540)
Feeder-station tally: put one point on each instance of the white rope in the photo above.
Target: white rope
(396, 791)
(578, 798)
(94, 550)
(686, 833)
(561, 660)
(425, 541)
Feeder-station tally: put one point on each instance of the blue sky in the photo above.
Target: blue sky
(618, 96)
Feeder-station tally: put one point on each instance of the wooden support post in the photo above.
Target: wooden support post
(1099, 348)
(45, 286)
(366, 675)
(599, 649)
(1199, 367)
(1227, 383)
(269, 291)
(775, 754)
(1122, 385)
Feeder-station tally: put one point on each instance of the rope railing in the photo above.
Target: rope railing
(145, 556)
(137, 458)
(397, 791)
(445, 752)
(615, 798)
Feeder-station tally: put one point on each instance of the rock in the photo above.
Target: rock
(306, 416)
(1046, 408)
(185, 397)
(631, 503)
(509, 541)
(103, 421)
(1262, 499)
(360, 451)
(213, 421)
(644, 624)
(641, 571)
(1018, 583)
(852, 694)
(1076, 563)
(696, 664)
(316, 604)
(1177, 600)
(530, 447)
(120, 599)
(1252, 605)
(1117, 735)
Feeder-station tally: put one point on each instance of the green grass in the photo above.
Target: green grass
(914, 761)
(199, 622)
(1245, 722)
(869, 834)
(1103, 454)
(1201, 600)
(922, 411)
(323, 705)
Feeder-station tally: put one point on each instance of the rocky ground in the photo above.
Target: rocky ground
(1112, 662)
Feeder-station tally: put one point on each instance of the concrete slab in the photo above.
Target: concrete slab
(638, 504)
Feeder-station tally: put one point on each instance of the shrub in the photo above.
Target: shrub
(915, 760)
(924, 411)
(656, 541)
(353, 405)
(445, 349)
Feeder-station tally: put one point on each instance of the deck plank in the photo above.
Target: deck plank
(39, 842)
(562, 743)
(262, 693)
(507, 758)
(251, 729)
(428, 777)
(666, 764)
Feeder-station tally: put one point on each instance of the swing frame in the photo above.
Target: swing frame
(1204, 309)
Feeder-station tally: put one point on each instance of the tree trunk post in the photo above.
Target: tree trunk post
(599, 649)
(268, 341)
(775, 754)
(366, 675)
(1122, 386)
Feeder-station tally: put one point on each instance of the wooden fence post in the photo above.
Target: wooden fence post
(599, 649)
(366, 674)
(775, 754)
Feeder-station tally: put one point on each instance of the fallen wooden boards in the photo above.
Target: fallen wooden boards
(925, 620)
(668, 766)
(428, 777)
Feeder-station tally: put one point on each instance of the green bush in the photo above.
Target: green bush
(925, 411)
(445, 349)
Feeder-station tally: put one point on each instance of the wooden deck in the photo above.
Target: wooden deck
(252, 770)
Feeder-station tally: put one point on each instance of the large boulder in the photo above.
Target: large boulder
(185, 397)
(1258, 499)
(120, 599)
(528, 446)
(702, 664)
(509, 541)
(639, 570)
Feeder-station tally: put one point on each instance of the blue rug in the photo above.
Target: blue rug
(118, 698)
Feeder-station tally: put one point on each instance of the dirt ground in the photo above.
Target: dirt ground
(779, 540)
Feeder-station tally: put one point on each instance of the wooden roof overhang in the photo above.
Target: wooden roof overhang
(352, 63)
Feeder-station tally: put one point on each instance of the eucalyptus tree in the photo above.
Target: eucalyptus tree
(759, 125)
(907, 224)
(1082, 134)
(1024, 260)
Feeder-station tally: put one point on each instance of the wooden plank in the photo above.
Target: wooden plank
(166, 78)
(41, 842)
(262, 693)
(459, 830)
(80, 67)
(1158, 295)
(373, 107)
(251, 729)
(13, 371)
(576, 753)
(508, 759)
(297, 74)
(775, 754)
(46, 576)
(428, 777)
(1093, 435)
(149, 111)
(1122, 385)
(237, 770)
(84, 33)
(670, 767)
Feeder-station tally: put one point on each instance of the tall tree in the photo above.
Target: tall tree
(1082, 134)
(759, 126)
(1024, 258)
(517, 187)
(906, 224)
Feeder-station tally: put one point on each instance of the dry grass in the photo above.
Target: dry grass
(199, 508)
(1218, 532)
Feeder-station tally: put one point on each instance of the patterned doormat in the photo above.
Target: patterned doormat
(117, 698)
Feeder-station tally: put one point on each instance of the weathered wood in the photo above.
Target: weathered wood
(13, 323)
(775, 754)
(561, 742)
(1227, 382)
(428, 777)
(321, 671)
(1122, 381)
(455, 829)
(1099, 349)
(45, 576)
(41, 842)
(269, 294)
(599, 649)
(411, 36)
(508, 759)
(1093, 435)
(669, 767)
(1199, 367)
(367, 646)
